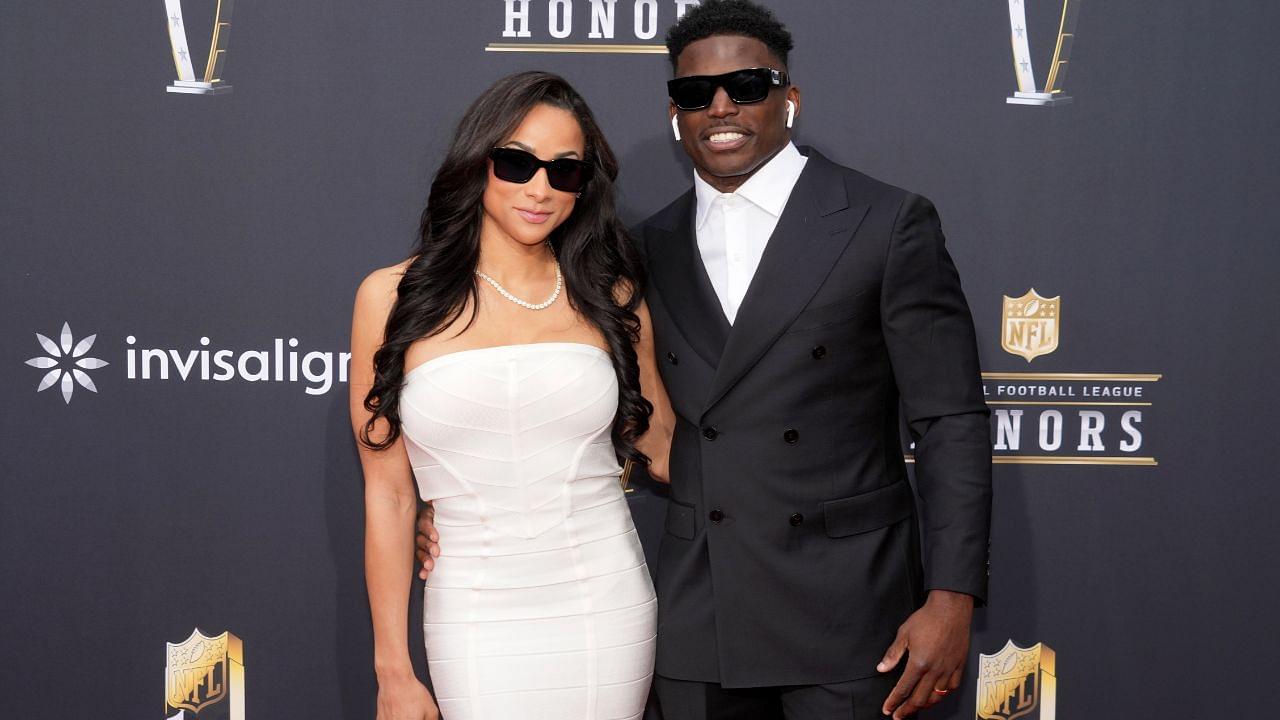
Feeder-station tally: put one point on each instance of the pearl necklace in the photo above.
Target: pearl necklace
(525, 303)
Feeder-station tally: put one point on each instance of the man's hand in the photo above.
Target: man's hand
(427, 540)
(936, 640)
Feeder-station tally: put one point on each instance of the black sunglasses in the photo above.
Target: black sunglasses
(743, 86)
(519, 166)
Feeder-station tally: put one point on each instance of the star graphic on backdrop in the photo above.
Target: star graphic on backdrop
(1027, 663)
(176, 20)
(1024, 64)
(66, 349)
(1019, 31)
(182, 53)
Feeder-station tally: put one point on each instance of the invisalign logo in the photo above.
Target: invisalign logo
(66, 363)
(317, 367)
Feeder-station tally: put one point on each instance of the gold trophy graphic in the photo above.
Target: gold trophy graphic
(211, 82)
(1022, 68)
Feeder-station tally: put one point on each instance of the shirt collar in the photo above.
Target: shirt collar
(768, 189)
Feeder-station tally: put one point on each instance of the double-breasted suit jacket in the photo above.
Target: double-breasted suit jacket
(791, 550)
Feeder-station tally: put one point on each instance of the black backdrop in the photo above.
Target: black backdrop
(139, 510)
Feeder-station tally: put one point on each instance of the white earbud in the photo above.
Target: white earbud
(675, 127)
(791, 113)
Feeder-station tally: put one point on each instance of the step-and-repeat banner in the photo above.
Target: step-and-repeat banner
(191, 192)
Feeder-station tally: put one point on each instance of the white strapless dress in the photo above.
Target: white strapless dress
(540, 604)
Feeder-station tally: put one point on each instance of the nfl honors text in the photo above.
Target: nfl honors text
(600, 15)
(1062, 417)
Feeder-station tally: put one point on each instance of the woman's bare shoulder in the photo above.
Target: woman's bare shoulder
(377, 292)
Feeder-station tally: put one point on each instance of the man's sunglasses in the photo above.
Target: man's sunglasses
(743, 86)
(518, 166)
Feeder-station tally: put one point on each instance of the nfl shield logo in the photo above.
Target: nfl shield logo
(1029, 326)
(1017, 683)
(202, 671)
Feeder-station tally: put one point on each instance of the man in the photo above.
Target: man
(796, 304)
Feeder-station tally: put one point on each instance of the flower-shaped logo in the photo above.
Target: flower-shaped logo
(71, 352)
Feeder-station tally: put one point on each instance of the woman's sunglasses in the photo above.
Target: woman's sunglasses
(743, 86)
(518, 166)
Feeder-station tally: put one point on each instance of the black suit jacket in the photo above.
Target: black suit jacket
(791, 552)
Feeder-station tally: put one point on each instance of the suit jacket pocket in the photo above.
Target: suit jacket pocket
(814, 317)
(866, 511)
(680, 520)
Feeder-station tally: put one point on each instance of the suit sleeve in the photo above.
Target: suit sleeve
(932, 346)
(636, 235)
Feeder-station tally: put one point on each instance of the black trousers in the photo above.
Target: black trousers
(852, 700)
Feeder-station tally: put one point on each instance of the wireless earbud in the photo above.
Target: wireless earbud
(675, 127)
(791, 113)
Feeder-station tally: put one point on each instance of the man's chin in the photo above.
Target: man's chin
(727, 171)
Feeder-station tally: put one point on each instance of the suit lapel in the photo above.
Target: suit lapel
(813, 231)
(676, 268)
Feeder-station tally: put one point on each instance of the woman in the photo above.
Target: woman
(501, 367)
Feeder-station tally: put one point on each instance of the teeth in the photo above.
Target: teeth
(726, 137)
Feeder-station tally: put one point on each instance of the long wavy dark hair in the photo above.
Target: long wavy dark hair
(596, 256)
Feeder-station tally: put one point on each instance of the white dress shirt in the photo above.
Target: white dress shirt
(733, 228)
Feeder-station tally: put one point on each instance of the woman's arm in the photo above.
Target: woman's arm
(390, 503)
(656, 443)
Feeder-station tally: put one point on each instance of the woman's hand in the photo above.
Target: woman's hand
(402, 697)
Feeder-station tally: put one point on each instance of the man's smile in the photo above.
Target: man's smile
(723, 139)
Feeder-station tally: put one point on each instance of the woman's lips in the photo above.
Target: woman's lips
(537, 218)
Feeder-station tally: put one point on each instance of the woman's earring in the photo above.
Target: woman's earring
(675, 127)
(791, 114)
(577, 194)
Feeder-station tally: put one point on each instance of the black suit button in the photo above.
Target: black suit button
(710, 433)
(796, 519)
(716, 516)
(673, 358)
(819, 352)
(791, 436)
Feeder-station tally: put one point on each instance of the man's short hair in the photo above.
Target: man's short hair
(729, 17)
